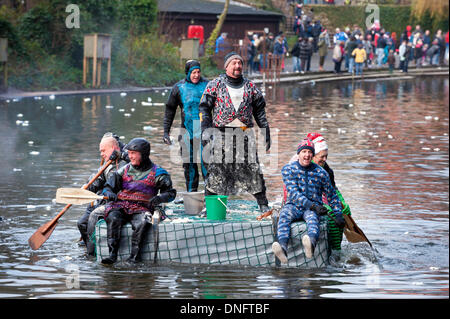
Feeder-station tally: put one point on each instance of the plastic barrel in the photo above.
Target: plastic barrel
(216, 207)
(193, 202)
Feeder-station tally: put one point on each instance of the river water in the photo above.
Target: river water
(388, 145)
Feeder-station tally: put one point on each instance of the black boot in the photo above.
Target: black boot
(112, 257)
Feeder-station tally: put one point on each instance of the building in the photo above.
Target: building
(175, 16)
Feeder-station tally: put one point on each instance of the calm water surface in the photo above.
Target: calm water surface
(388, 145)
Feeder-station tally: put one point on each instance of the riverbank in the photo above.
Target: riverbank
(285, 77)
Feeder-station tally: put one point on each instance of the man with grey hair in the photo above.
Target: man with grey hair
(110, 149)
(220, 42)
(227, 108)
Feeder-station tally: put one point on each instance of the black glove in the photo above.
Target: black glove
(268, 139)
(111, 196)
(166, 139)
(340, 221)
(154, 201)
(319, 209)
(115, 155)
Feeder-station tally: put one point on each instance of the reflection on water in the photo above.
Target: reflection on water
(388, 145)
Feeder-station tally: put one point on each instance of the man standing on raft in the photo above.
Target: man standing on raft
(227, 108)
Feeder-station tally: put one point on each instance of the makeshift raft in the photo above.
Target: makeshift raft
(240, 240)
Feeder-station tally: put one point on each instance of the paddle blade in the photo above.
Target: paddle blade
(41, 235)
(353, 233)
(75, 196)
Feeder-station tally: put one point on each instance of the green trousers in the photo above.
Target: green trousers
(334, 232)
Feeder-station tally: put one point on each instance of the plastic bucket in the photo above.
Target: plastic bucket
(216, 207)
(193, 202)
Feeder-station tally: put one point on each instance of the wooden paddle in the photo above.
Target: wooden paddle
(79, 196)
(43, 233)
(352, 232)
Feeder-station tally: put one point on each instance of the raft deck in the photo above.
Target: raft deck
(240, 239)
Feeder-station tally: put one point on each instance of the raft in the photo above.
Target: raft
(238, 240)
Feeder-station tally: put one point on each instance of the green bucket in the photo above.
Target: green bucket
(216, 207)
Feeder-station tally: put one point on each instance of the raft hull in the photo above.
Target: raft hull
(246, 243)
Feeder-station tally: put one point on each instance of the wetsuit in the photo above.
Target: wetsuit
(187, 95)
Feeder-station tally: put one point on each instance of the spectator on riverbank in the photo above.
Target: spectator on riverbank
(295, 52)
(349, 47)
(391, 61)
(339, 36)
(381, 43)
(306, 50)
(405, 53)
(367, 45)
(323, 45)
(338, 53)
(359, 57)
(220, 42)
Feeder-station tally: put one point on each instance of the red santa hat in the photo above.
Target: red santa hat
(319, 142)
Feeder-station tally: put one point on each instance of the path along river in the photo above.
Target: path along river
(388, 144)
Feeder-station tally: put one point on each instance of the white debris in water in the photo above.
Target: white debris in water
(406, 233)
(52, 97)
(15, 100)
(436, 118)
(30, 142)
(149, 128)
(127, 114)
(48, 207)
(436, 149)
(362, 112)
(54, 260)
(428, 117)
(58, 107)
(54, 201)
(17, 169)
(426, 148)
(7, 101)
(18, 122)
(34, 153)
(86, 99)
(434, 268)
(37, 98)
(122, 137)
(432, 137)
(158, 104)
(379, 144)
(149, 99)
(390, 136)
(67, 258)
(123, 94)
(132, 109)
(121, 110)
(31, 206)
(374, 136)
(350, 105)
(109, 106)
(341, 131)
(25, 123)
(20, 115)
(417, 283)
(146, 103)
(286, 114)
(323, 129)
(134, 100)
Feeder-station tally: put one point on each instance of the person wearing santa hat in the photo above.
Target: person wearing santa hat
(320, 158)
(305, 183)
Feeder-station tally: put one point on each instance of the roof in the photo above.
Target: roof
(210, 8)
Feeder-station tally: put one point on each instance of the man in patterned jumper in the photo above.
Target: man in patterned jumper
(305, 183)
(227, 108)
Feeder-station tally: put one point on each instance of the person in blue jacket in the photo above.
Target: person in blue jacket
(186, 94)
(305, 183)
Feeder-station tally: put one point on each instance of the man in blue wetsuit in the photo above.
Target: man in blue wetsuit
(187, 94)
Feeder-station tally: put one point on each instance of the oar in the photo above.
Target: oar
(41, 235)
(79, 196)
(353, 233)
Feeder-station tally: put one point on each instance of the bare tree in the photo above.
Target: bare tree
(215, 33)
